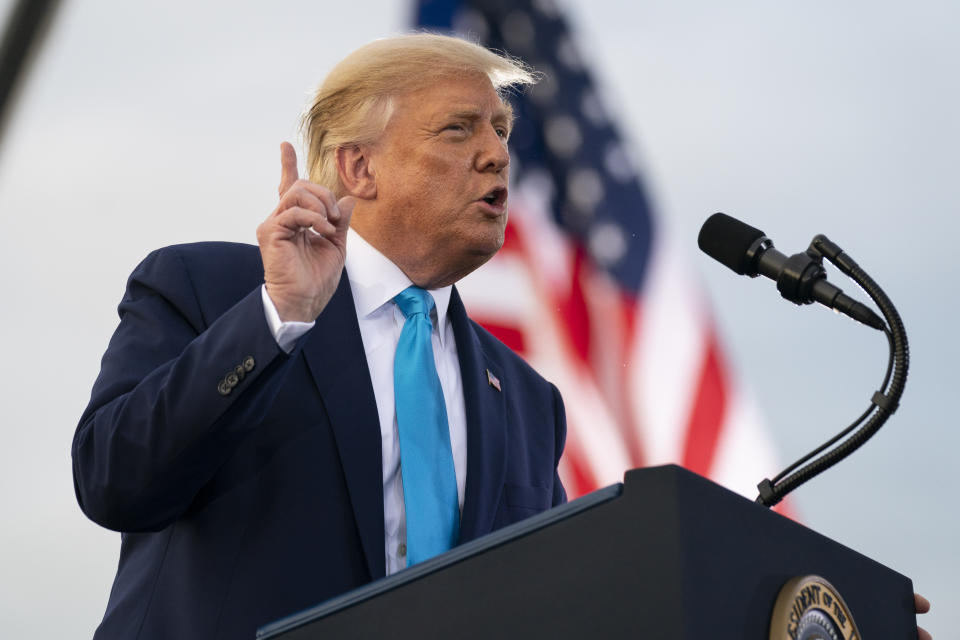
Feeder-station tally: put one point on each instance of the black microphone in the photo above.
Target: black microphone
(800, 278)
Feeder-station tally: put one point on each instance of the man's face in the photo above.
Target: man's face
(441, 171)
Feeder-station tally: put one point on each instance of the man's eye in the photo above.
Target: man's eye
(458, 128)
(503, 132)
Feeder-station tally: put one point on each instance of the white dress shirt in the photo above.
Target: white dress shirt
(374, 281)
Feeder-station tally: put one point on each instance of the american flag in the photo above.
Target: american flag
(587, 287)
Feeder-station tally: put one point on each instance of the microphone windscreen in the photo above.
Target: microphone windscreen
(728, 241)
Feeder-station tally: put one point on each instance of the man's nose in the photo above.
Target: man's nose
(493, 154)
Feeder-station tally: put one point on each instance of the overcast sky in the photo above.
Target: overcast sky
(154, 122)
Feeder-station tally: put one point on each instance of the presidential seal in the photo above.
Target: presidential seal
(809, 608)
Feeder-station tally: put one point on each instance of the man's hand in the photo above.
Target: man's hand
(303, 244)
(921, 605)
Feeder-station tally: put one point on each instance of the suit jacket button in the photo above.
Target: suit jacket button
(240, 371)
(249, 363)
(224, 388)
(231, 379)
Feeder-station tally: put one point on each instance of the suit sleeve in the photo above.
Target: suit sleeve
(560, 428)
(176, 394)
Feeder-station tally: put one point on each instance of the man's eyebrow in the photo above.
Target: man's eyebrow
(466, 114)
(504, 113)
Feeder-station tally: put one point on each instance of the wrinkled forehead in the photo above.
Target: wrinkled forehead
(446, 94)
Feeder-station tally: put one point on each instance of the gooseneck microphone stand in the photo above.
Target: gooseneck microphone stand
(884, 401)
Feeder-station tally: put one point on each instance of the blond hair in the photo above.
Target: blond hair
(354, 103)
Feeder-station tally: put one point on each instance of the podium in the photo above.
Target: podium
(666, 554)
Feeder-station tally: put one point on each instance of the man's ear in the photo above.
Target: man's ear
(353, 165)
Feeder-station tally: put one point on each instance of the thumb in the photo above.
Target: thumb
(288, 167)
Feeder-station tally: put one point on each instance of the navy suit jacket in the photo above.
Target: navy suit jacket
(242, 508)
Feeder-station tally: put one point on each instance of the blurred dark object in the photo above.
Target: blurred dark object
(25, 28)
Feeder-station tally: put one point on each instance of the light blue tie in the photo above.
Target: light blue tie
(426, 461)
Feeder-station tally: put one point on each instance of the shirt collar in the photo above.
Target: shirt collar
(375, 280)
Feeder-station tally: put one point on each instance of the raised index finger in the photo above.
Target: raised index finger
(288, 167)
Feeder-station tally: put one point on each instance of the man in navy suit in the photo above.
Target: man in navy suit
(242, 433)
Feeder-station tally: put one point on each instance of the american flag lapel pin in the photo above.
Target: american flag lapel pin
(493, 380)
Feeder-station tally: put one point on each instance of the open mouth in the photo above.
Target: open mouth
(496, 197)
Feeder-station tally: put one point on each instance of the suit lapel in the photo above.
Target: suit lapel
(335, 356)
(486, 427)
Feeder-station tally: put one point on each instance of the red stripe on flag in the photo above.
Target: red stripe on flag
(630, 313)
(511, 336)
(580, 478)
(709, 407)
(574, 312)
(511, 239)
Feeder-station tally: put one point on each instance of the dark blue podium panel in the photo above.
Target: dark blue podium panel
(667, 554)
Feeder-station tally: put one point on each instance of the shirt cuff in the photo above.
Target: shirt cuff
(285, 333)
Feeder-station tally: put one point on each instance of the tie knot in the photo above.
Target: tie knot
(413, 300)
